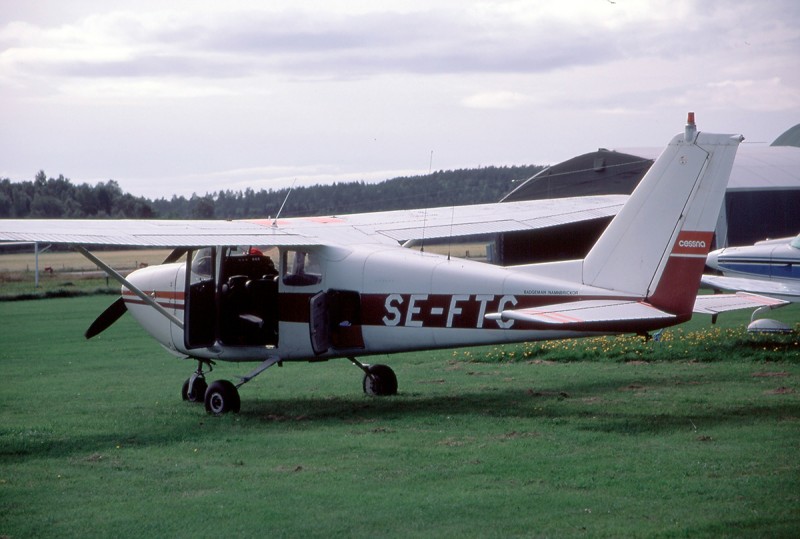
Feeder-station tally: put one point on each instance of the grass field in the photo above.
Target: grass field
(490, 442)
(63, 273)
(73, 261)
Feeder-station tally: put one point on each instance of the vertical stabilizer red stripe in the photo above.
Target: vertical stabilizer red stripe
(676, 290)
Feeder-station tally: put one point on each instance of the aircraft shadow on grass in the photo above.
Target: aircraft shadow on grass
(583, 403)
(581, 406)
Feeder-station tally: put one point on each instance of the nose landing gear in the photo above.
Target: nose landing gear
(194, 388)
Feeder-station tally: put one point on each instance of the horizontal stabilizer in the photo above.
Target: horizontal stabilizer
(720, 303)
(582, 312)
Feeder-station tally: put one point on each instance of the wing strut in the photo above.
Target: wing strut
(127, 284)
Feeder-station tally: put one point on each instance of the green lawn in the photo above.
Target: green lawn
(490, 442)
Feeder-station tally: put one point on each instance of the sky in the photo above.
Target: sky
(181, 97)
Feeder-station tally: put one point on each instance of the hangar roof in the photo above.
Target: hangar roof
(756, 168)
(790, 137)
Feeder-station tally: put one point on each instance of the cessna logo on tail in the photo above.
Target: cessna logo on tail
(692, 244)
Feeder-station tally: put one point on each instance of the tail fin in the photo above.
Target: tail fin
(656, 245)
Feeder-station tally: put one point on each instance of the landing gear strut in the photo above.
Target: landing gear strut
(379, 380)
(194, 388)
(222, 396)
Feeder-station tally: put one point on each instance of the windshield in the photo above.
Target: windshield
(796, 242)
(202, 264)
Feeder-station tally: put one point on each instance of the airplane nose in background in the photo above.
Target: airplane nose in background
(712, 259)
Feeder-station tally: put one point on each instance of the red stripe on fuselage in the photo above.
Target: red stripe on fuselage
(458, 311)
(166, 298)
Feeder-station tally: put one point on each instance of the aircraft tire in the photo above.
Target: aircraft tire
(222, 397)
(199, 392)
(380, 381)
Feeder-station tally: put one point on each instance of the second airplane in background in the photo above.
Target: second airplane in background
(770, 267)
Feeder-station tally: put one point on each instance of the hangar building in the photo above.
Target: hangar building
(762, 200)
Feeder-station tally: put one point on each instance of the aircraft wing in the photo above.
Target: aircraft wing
(582, 312)
(147, 232)
(391, 227)
(720, 303)
(776, 289)
(457, 221)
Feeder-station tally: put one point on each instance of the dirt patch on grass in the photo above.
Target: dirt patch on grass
(455, 442)
(513, 435)
(780, 391)
(769, 374)
(633, 387)
(558, 394)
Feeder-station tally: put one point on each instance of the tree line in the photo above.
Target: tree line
(60, 198)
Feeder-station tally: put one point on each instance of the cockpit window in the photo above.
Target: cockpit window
(252, 262)
(203, 264)
(796, 242)
(301, 268)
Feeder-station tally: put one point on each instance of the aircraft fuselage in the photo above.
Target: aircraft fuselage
(326, 302)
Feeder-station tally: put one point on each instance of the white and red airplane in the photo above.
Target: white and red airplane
(343, 286)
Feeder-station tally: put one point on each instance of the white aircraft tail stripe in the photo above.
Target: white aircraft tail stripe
(655, 247)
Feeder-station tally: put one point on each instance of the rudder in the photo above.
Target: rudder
(656, 245)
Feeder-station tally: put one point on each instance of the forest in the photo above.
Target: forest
(61, 198)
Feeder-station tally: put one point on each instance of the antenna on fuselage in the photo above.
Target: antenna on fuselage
(425, 210)
(275, 221)
(450, 238)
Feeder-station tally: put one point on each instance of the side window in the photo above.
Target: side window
(202, 265)
(300, 268)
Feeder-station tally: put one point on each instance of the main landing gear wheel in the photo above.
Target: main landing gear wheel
(380, 381)
(222, 397)
(194, 392)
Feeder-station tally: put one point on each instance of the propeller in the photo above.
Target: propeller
(117, 309)
(106, 318)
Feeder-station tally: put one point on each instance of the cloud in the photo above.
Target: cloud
(183, 88)
(496, 100)
(293, 43)
(757, 95)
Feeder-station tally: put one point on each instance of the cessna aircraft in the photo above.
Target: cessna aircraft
(313, 289)
(770, 267)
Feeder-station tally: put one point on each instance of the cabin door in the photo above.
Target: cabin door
(200, 308)
(319, 323)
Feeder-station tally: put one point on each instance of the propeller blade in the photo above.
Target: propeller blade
(117, 309)
(106, 318)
